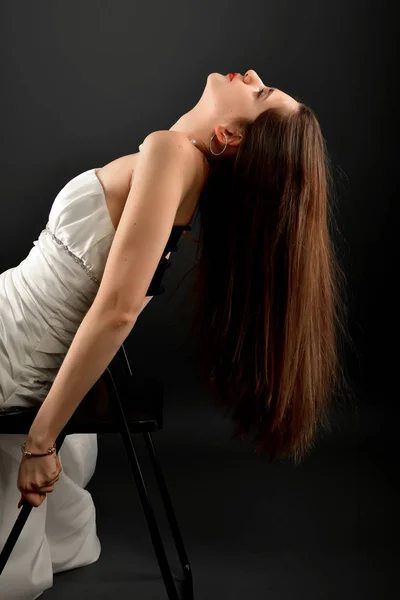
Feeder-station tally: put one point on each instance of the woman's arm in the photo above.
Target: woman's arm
(94, 346)
(163, 176)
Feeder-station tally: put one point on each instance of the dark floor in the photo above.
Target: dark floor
(326, 530)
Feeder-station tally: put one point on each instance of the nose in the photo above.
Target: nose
(251, 76)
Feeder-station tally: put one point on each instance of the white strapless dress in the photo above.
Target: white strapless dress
(42, 303)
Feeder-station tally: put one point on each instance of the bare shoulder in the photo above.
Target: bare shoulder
(170, 142)
(117, 176)
(171, 149)
(175, 146)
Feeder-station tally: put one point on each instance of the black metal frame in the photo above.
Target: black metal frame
(125, 429)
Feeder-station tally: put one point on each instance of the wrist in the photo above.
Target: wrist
(38, 444)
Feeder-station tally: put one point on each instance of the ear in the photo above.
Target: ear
(233, 136)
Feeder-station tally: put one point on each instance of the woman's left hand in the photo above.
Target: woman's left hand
(37, 476)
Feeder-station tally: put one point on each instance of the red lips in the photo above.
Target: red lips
(232, 75)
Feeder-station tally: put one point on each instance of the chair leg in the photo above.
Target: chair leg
(144, 497)
(173, 523)
(150, 517)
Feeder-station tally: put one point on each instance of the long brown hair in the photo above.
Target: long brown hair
(268, 296)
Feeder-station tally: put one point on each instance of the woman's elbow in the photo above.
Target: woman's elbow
(115, 317)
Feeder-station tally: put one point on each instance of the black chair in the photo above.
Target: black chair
(121, 402)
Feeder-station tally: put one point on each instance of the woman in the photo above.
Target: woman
(252, 159)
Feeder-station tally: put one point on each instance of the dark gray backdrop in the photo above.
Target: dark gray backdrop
(83, 83)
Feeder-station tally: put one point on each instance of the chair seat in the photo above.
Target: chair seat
(141, 398)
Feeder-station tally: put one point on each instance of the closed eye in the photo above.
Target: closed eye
(268, 92)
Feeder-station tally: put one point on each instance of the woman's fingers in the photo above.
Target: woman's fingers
(35, 499)
(40, 487)
(44, 489)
